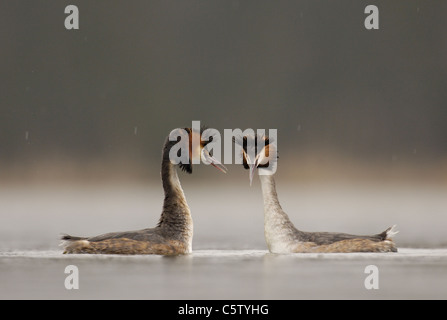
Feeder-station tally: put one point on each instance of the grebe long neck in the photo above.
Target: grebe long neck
(269, 194)
(272, 208)
(176, 214)
(277, 225)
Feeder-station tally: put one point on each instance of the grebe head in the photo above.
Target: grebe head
(265, 158)
(191, 140)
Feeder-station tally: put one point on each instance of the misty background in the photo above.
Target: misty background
(107, 95)
(93, 107)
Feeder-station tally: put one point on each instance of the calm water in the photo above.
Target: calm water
(230, 260)
(225, 274)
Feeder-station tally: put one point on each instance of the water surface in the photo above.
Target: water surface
(230, 260)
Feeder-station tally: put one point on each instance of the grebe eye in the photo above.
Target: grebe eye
(206, 142)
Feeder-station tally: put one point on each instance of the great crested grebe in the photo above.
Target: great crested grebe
(280, 233)
(174, 231)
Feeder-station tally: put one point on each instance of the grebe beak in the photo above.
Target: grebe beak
(252, 170)
(214, 162)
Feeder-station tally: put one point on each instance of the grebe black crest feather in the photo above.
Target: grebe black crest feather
(252, 141)
(187, 167)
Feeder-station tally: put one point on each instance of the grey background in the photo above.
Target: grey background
(72, 101)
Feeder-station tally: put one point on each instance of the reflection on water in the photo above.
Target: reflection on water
(225, 274)
(230, 260)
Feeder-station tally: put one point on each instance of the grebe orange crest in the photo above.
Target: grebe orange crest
(280, 234)
(174, 231)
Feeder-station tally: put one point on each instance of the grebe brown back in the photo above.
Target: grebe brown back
(174, 231)
(280, 234)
